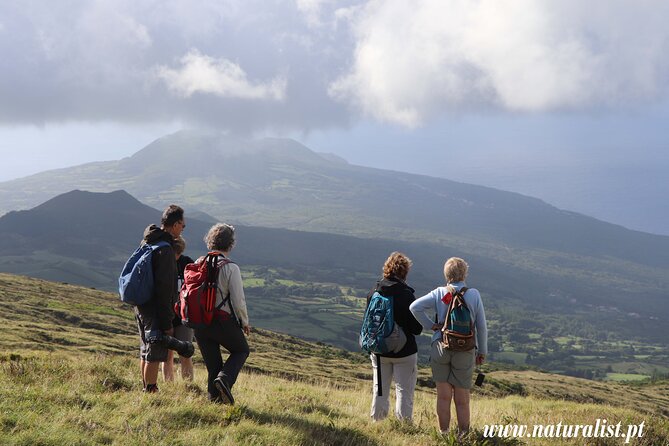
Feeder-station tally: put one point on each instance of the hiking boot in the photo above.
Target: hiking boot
(151, 388)
(224, 390)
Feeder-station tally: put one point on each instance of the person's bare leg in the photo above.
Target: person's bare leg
(142, 366)
(444, 396)
(461, 397)
(151, 373)
(168, 367)
(186, 368)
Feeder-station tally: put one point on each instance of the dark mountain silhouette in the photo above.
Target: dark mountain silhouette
(101, 230)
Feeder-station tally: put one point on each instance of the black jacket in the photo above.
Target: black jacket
(402, 295)
(182, 261)
(164, 266)
(181, 265)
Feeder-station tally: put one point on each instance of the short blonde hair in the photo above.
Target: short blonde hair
(397, 265)
(455, 270)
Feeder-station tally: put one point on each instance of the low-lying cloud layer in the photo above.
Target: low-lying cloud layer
(306, 64)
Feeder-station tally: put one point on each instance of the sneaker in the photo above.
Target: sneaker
(224, 390)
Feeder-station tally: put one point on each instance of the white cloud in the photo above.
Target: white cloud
(307, 64)
(203, 74)
(416, 59)
(311, 10)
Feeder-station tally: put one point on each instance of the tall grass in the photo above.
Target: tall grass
(69, 375)
(56, 399)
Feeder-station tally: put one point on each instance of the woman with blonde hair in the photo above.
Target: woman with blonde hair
(452, 370)
(400, 366)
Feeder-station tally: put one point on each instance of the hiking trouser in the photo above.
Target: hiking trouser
(404, 371)
(210, 339)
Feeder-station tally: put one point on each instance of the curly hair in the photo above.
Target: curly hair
(397, 265)
(455, 270)
(221, 237)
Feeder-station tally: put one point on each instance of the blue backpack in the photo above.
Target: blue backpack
(458, 332)
(379, 333)
(135, 285)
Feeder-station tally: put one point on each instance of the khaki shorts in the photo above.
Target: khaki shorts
(455, 368)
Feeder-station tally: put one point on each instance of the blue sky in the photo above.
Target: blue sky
(555, 99)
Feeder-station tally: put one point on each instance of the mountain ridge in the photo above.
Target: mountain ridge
(281, 183)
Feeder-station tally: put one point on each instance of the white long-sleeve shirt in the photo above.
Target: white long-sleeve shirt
(230, 280)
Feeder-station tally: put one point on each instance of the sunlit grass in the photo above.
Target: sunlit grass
(69, 375)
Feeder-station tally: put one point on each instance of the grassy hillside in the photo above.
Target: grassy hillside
(69, 375)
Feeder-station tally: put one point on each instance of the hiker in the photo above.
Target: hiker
(403, 365)
(181, 332)
(230, 322)
(155, 317)
(452, 370)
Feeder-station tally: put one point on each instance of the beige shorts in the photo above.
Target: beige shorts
(455, 368)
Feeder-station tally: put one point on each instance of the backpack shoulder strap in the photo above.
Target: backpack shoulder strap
(451, 306)
(225, 299)
(460, 295)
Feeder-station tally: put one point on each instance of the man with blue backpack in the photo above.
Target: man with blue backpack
(153, 290)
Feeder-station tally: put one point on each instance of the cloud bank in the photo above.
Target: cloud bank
(312, 64)
(416, 59)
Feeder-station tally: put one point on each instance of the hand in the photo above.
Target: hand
(437, 327)
(246, 329)
(480, 359)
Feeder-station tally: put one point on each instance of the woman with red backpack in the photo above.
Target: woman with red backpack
(230, 322)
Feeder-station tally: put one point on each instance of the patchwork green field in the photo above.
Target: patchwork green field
(330, 312)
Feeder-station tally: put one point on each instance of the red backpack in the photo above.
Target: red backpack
(197, 299)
